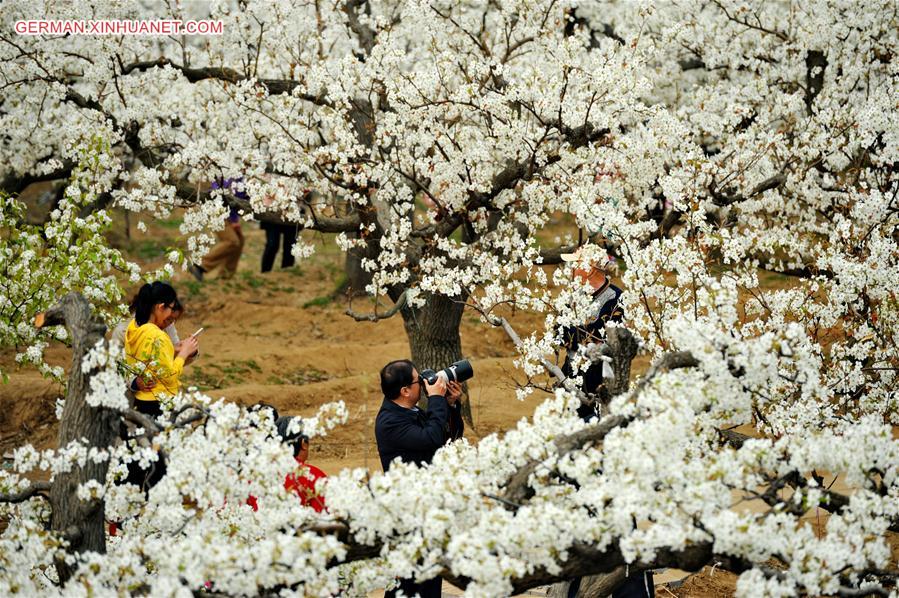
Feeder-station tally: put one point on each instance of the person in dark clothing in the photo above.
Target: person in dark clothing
(605, 309)
(273, 234)
(405, 432)
(401, 428)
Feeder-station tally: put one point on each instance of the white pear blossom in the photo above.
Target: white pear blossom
(737, 157)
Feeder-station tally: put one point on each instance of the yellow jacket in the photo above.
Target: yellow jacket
(149, 349)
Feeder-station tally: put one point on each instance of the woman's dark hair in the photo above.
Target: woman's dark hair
(394, 376)
(176, 306)
(149, 296)
(294, 439)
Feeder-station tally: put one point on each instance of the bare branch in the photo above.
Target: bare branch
(720, 199)
(502, 500)
(375, 316)
(201, 413)
(36, 489)
(866, 591)
(356, 551)
(735, 439)
(803, 272)
(586, 560)
(691, 64)
(365, 34)
(82, 102)
(14, 184)
(346, 224)
(550, 367)
(757, 26)
(670, 219)
(815, 64)
(228, 75)
(138, 418)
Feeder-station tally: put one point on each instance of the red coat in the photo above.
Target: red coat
(303, 487)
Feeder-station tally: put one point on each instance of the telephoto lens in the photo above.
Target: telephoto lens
(457, 372)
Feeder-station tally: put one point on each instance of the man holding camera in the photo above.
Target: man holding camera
(405, 431)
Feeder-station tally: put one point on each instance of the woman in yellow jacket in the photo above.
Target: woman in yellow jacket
(149, 350)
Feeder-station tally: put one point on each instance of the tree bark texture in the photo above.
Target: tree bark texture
(357, 278)
(623, 348)
(434, 341)
(592, 586)
(82, 523)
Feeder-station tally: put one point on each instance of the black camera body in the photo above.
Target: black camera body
(457, 372)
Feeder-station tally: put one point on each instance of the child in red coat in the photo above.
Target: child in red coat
(303, 485)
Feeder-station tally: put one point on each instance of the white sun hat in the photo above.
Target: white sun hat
(593, 262)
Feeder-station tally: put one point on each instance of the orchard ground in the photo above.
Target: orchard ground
(283, 338)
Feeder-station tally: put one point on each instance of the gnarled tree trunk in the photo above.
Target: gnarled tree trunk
(433, 332)
(81, 523)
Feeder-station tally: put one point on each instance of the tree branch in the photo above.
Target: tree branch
(723, 200)
(586, 560)
(375, 316)
(803, 272)
(346, 224)
(365, 35)
(228, 75)
(138, 418)
(202, 413)
(550, 367)
(36, 489)
(519, 490)
(14, 184)
(815, 64)
(668, 361)
(866, 591)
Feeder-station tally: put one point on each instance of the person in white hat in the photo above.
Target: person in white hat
(593, 265)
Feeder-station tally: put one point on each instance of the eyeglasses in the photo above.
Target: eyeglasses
(416, 381)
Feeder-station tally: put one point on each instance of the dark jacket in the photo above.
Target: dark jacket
(592, 331)
(412, 435)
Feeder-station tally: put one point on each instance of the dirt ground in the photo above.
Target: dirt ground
(283, 338)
